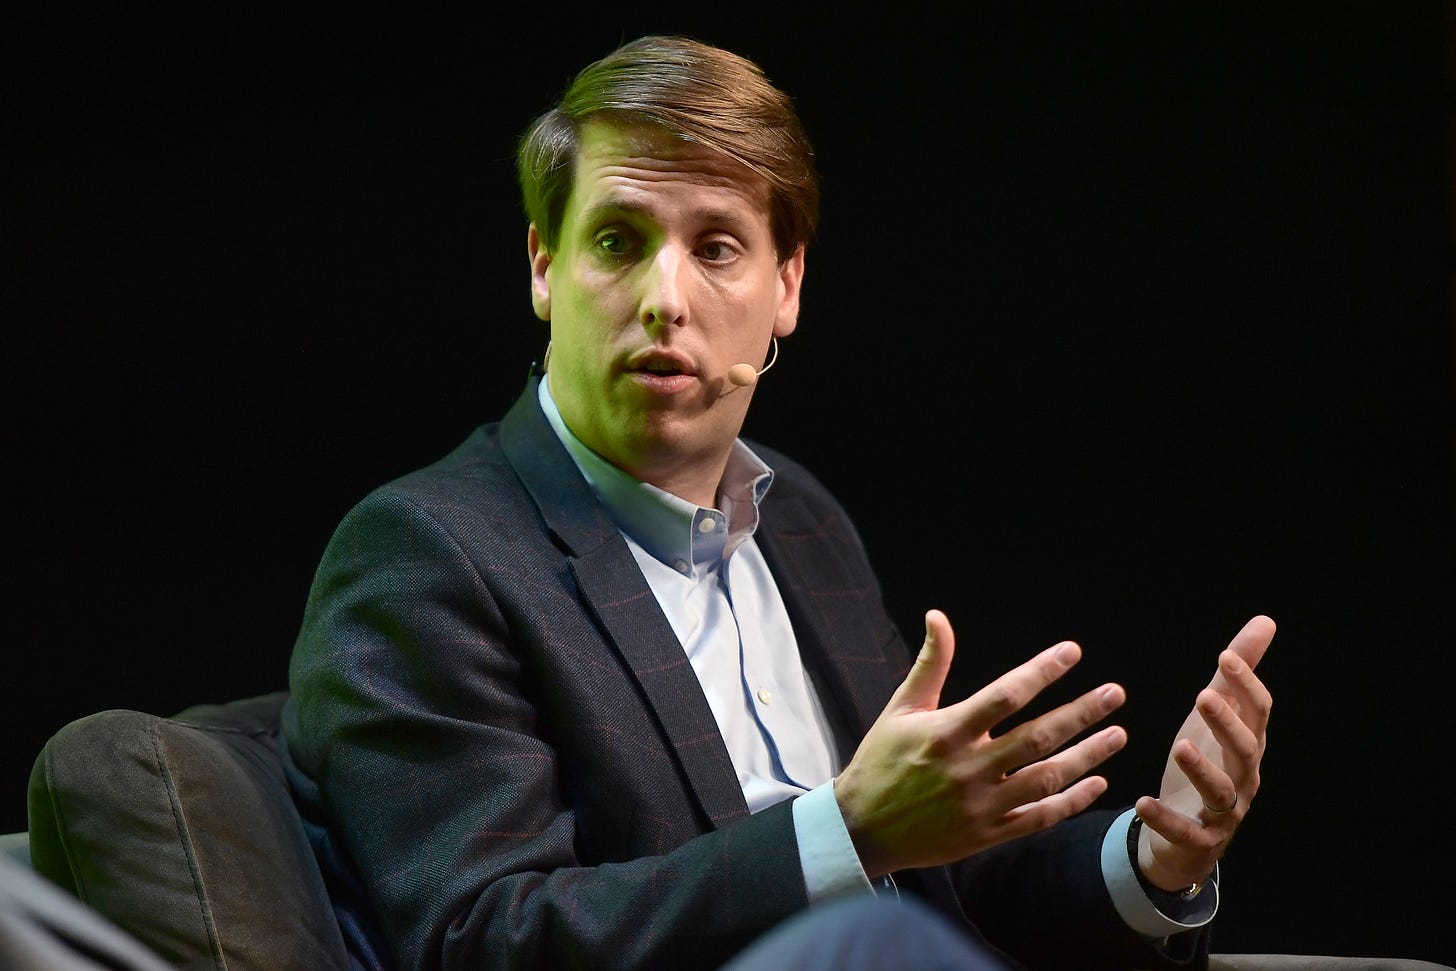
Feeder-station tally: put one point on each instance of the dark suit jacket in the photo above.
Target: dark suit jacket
(506, 759)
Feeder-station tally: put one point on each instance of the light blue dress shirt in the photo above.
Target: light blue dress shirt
(716, 591)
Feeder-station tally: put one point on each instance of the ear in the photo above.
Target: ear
(540, 283)
(791, 279)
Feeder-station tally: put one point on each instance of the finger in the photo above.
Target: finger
(1040, 780)
(1215, 785)
(1034, 740)
(1239, 744)
(1014, 690)
(1222, 777)
(1182, 831)
(920, 691)
(1030, 817)
(1249, 644)
(1244, 692)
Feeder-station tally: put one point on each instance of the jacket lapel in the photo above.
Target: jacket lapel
(841, 639)
(622, 604)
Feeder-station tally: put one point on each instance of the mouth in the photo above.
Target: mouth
(660, 363)
(660, 370)
(663, 372)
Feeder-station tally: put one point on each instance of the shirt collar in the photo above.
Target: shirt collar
(687, 537)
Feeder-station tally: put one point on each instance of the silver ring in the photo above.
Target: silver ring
(1222, 812)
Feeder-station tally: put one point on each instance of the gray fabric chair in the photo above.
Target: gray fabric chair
(181, 832)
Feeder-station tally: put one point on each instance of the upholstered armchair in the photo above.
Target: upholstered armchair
(181, 832)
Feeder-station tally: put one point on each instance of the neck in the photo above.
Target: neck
(695, 481)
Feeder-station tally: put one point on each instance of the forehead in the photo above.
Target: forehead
(646, 166)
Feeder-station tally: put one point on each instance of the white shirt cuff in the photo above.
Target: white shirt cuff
(1132, 903)
(826, 853)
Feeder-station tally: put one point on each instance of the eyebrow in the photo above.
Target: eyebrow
(611, 206)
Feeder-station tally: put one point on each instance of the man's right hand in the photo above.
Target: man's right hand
(929, 785)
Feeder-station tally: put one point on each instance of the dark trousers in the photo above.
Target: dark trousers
(868, 933)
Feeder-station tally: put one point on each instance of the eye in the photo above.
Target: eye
(616, 242)
(717, 251)
(612, 242)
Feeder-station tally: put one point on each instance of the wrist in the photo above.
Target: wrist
(870, 859)
(1177, 891)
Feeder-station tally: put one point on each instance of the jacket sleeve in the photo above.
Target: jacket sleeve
(1043, 898)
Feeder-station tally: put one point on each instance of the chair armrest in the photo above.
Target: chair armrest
(1316, 962)
(182, 832)
(16, 846)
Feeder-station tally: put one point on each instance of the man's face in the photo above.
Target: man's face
(663, 278)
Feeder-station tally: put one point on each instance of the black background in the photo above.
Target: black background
(1127, 321)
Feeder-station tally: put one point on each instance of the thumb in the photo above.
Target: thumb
(920, 691)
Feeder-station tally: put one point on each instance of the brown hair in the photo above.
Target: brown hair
(696, 91)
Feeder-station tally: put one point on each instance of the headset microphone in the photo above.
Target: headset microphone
(746, 375)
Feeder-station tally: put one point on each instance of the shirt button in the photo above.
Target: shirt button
(765, 696)
(681, 566)
(707, 524)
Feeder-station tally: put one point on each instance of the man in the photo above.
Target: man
(609, 687)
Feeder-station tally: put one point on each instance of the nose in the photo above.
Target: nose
(664, 291)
